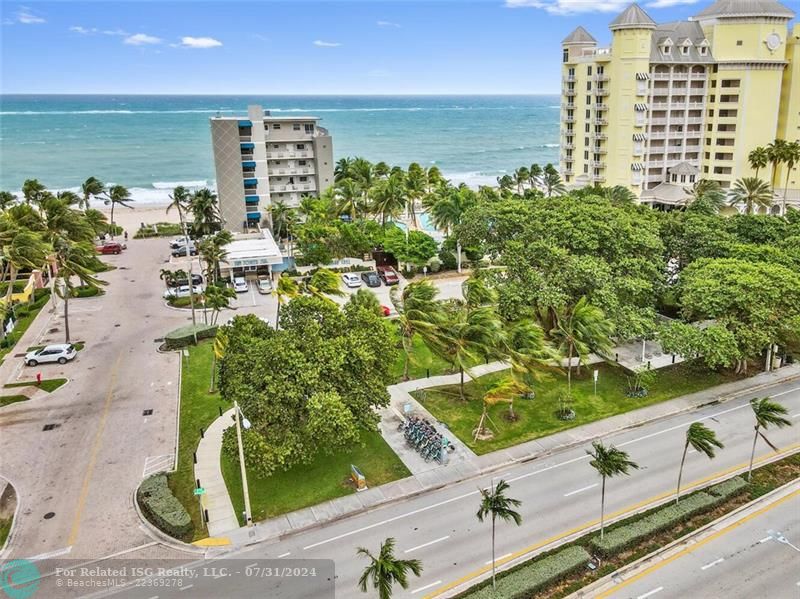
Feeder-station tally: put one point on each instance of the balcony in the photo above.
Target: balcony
(290, 154)
(569, 119)
(298, 170)
(699, 76)
(597, 164)
(245, 138)
(567, 171)
(250, 182)
(250, 200)
(601, 92)
(599, 150)
(601, 121)
(598, 136)
(598, 178)
(569, 146)
(568, 92)
(569, 79)
(294, 187)
(601, 106)
(599, 78)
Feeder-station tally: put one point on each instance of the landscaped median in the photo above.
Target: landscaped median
(565, 569)
(46, 385)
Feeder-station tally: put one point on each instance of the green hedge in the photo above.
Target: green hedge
(186, 302)
(729, 488)
(164, 229)
(162, 509)
(86, 291)
(628, 535)
(18, 287)
(185, 335)
(531, 578)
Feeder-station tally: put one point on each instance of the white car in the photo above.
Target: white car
(61, 353)
(240, 285)
(264, 285)
(182, 291)
(176, 243)
(351, 279)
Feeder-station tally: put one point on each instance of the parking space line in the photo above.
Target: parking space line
(712, 564)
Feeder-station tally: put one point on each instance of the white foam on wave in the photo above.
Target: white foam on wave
(473, 179)
(158, 194)
(63, 112)
(173, 184)
(550, 145)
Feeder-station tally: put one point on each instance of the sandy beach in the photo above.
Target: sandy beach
(131, 218)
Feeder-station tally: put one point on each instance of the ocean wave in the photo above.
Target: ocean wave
(170, 185)
(158, 194)
(63, 112)
(473, 179)
(550, 145)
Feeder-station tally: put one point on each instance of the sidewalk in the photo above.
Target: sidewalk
(464, 464)
(47, 318)
(221, 515)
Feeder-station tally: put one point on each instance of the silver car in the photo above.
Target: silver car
(61, 353)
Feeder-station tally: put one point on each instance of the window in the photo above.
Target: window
(665, 49)
(589, 86)
(276, 126)
(300, 146)
(301, 162)
(738, 42)
(565, 56)
(588, 114)
(309, 128)
(303, 179)
(703, 51)
(588, 128)
(685, 50)
(588, 99)
(586, 155)
(586, 139)
(296, 127)
(589, 70)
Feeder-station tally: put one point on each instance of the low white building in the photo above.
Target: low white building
(251, 255)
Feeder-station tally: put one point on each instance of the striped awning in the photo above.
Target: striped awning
(639, 137)
(637, 166)
(640, 107)
(643, 76)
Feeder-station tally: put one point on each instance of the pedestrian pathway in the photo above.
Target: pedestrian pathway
(216, 500)
(463, 464)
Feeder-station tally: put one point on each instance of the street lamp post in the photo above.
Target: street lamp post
(238, 412)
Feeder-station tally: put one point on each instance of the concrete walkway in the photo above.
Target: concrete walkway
(216, 501)
(464, 463)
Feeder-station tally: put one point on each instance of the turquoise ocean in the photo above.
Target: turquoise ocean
(152, 143)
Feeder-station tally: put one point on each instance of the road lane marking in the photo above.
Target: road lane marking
(50, 554)
(439, 540)
(765, 539)
(648, 593)
(426, 587)
(497, 559)
(796, 415)
(712, 564)
(581, 490)
(700, 543)
(186, 588)
(624, 511)
(284, 554)
(253, 565)
(785, 392)
(98, 438)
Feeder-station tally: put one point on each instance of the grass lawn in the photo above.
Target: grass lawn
(327, 477)
(27, 314)
(48, 385)
(9, 399)
(423, 361)
(199, 408)
(78, 346)
(5, 529)
(537, 417)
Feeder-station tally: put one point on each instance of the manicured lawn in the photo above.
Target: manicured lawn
(423, 361)
(327, 477)
(199, 408)
(26, 314)
(78, 346)
(9, 399)
(5, 528)
(537, 417)
(48, 385)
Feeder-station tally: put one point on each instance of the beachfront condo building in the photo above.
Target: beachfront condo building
(262, 159)
(668, 104)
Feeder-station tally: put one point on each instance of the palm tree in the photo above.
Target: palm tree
(384, 570)
(775, 156)
(90, 188)
(20, 248)
(494, 503)
(206, 218)
(418, 311)
(323, 283)
(551, 181)
(703, 440)
(791, 156)
(609, 462)
(218, 299)
(758, 159)
(581, 330)
(7, 199)
(416, 180)
(96, 220)
(521, 176)
(69, 197)
(348, 196)
(767, 413)
(73, 259)
(366, 299)
(118, 194)
(752, 192)
(706, 192)
(342, 169)
(212, 251)
(168, 276)
(536, 173)
(285, 289)
(279, 212)
(505, 183)
(33, 191)
(448, 211)
(181, 201)
(619, 194)
(389, 198)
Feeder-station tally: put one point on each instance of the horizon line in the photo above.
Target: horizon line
(251, 95)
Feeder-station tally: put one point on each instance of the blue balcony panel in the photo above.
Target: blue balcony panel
(245, 123)
(247, 146)
(251, 199)
(249, 164)
(253, 216)
(250, 182)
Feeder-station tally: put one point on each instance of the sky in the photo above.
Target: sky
(300, 46)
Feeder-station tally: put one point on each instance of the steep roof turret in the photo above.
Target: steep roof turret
(632, 17)
(579, 36)
(745, 8)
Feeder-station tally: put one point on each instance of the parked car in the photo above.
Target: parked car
(182, 251)
(174, 244)
(351, 279)
(109, 247)
(196, 280)
(182, 291)
(240, 285)
(61, 353)
(386, 310)
(264, 285)
(371, 278)
(388, 275)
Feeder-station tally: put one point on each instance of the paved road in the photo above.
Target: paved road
(560, 494)
(743, 561)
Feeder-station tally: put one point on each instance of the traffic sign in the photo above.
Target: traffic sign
(199, 491)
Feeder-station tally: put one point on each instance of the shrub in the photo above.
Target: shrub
(534, 576)
(162, 230)
(447, 258)
(434, 264)
(185, 302)
(162, 509)
(628, 535)
(727, 489)
(86, 291)
(185, 335)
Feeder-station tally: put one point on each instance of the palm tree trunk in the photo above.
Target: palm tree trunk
(12, 275)
(680, 473)
(405, 367)
(752, 456)
(66, 314)
(277, 313)
(113, 226)
(461, 384)
(569, 372)
(213, 371)
(494, 582)
(786, 189)
(602, 507)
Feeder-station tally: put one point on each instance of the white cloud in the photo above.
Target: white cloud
(668, 3)
(388, 24)
(141, 39)
(571, 7)
(322, 44)
(114, 32)
(199, 42)
(26, 17)
(82, 30)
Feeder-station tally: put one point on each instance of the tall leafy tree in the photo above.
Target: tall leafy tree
(385, 570)
(91, 188)
(521, 176)
(752, 193)
(181, 201)
(217, 299)
(286, 289)
(495, 504)
(551, 182)
(767, 413)
(389, 198)
(418, 313)
(416, 181)
(74, 259)
(790, 157)
(609, 462)
(20, 248)
(7, 199)
(206, 218)
(33, 192)
(448, 211)
(703, 440)
(117, 195)
(758, 159)
(775, 154)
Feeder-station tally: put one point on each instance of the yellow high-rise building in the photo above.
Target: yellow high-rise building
(668, 104)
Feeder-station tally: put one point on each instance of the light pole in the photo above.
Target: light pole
(594, 376)
(246, 423)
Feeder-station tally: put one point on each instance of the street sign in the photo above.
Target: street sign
(199, 491)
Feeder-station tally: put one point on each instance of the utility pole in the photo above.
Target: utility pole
(247, 514)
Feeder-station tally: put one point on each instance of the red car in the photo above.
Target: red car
(386, 310)
(111, 247)
(388, 275)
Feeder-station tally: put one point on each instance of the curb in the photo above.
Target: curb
(14, 519)
(504, 465)
(158, 535)
(588, 590)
